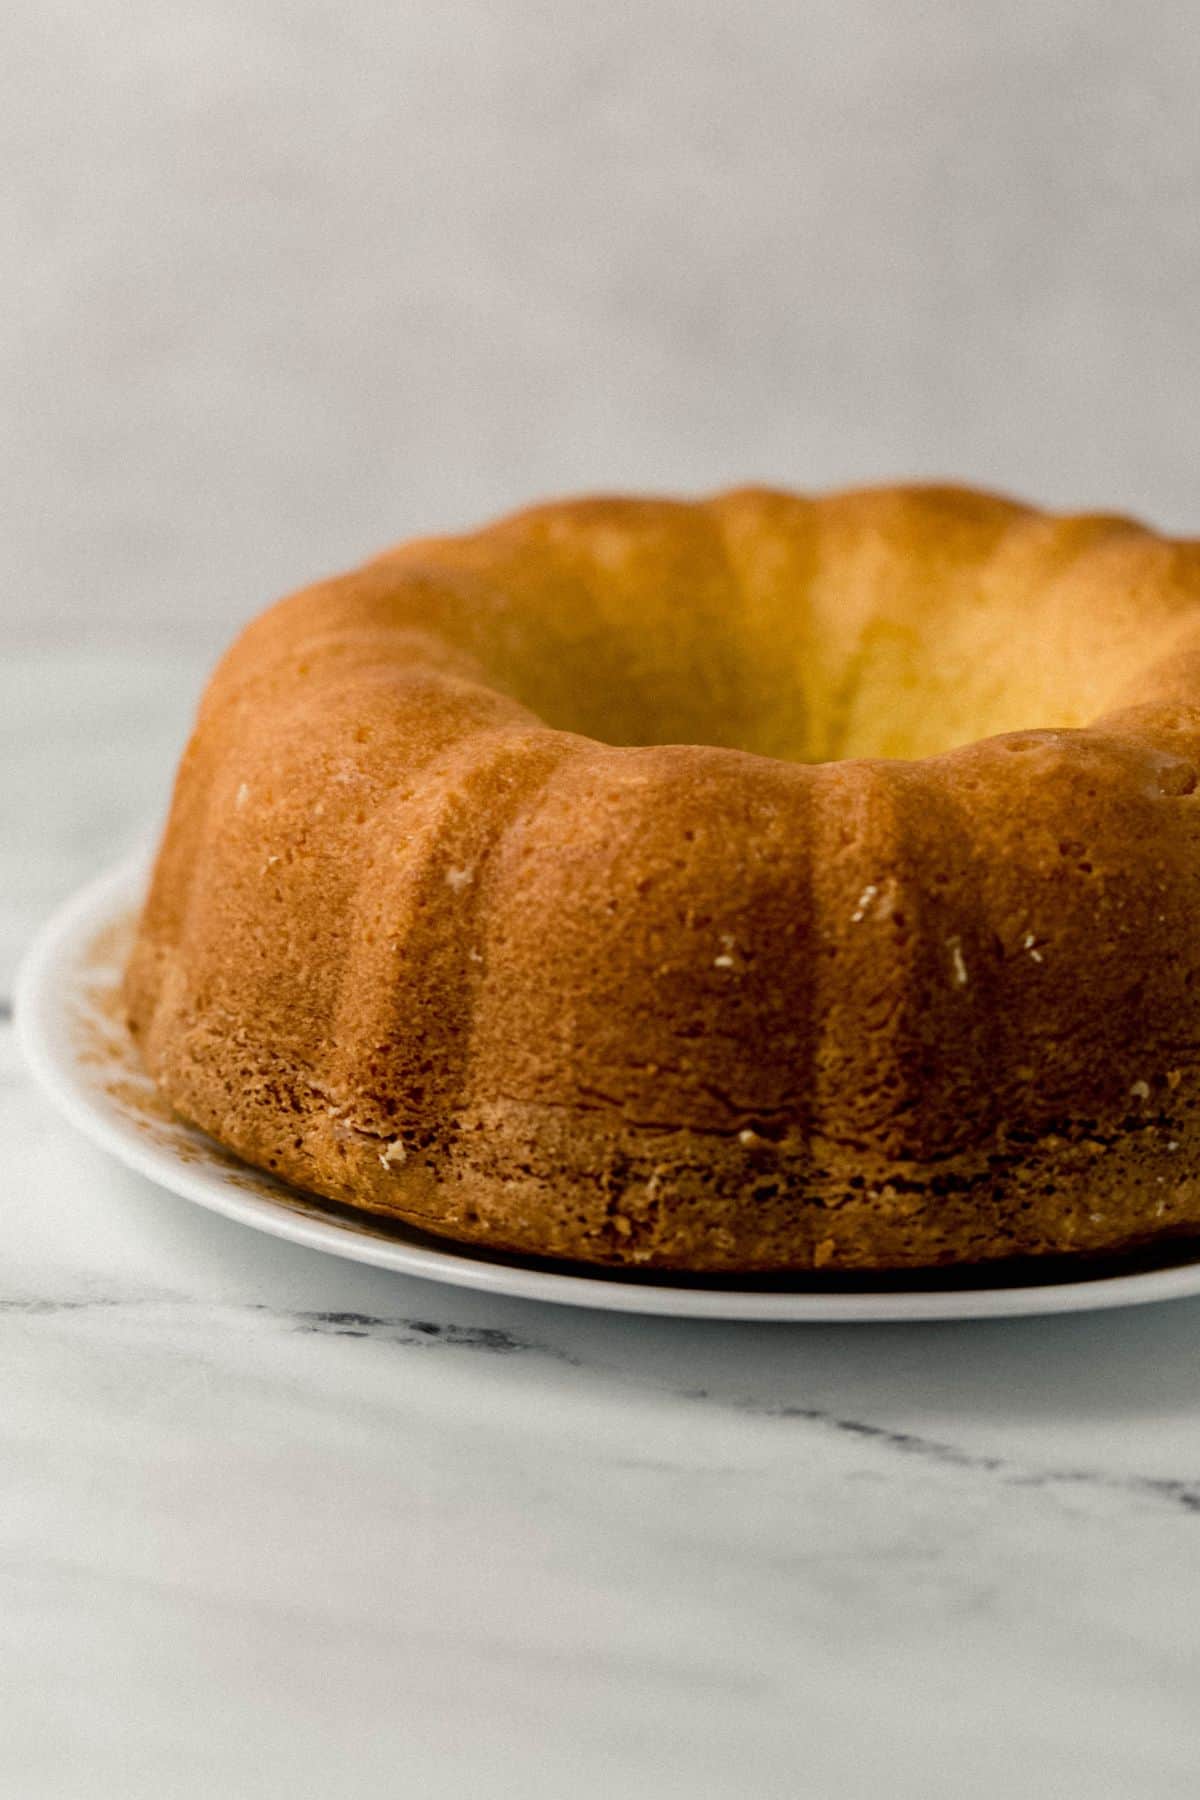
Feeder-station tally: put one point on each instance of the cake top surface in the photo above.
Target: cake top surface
(883, 622)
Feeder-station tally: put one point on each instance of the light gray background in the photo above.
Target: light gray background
(287, 281)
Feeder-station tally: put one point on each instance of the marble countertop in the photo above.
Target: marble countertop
(273, 1524)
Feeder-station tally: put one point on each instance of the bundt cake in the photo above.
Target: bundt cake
(762, 883)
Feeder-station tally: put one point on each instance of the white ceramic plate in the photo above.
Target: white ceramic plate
(76, 1042)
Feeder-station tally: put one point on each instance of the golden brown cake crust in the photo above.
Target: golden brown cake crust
(603, 885)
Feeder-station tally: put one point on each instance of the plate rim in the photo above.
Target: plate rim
(45, 991)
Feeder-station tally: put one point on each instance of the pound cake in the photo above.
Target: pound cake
(758, 883)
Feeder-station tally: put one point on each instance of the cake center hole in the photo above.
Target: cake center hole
(887, 692)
